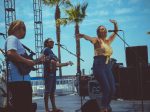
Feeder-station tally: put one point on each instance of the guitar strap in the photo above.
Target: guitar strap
(29, 50)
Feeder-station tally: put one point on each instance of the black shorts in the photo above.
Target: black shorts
(50, 83)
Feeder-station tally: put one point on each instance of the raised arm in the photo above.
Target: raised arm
(113, 35)
(91, 39)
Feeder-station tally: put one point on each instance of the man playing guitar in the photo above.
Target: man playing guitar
(50, 65)
(18, 85)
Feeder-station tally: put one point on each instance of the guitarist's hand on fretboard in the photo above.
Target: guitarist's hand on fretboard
(30, 63)
(40, 60)
(25, 69)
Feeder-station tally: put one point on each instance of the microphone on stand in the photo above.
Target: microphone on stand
(59, 44)
(114, 30)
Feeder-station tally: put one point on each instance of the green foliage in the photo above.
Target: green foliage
(52, 3)
(62, 21)
(76, 13)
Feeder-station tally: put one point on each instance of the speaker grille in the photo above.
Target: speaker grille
(136, 55)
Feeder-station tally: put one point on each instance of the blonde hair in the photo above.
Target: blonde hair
(16, 25)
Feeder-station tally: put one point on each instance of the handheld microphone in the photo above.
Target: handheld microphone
(59, 44)
(114, 30)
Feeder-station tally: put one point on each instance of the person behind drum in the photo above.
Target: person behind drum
(19, 86)
(101, 65)
(50, 65)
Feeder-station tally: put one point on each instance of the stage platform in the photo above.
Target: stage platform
(72, 103)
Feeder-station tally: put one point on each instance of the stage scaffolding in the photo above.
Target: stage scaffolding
(38, 28)
(10, 13)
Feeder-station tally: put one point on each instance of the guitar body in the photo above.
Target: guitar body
(23, 68)
(50, 66)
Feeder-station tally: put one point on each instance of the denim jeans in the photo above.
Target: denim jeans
(103, 74)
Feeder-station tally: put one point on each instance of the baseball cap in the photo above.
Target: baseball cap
(50, 39)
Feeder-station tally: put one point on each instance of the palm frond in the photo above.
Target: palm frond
(46, 2)
(62, 21)
(77, 13)
(148, 32)
(66, 3)
(81, 11)
(83, 8)
(51, 2)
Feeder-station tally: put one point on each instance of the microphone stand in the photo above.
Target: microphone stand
(138, 69)
(78, 74)
(71, 52)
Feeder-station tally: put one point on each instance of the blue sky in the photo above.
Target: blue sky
(133, 16)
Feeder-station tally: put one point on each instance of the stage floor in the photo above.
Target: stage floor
(72, 103)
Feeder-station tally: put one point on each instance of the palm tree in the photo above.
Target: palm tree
(57, 4)
(76, 14)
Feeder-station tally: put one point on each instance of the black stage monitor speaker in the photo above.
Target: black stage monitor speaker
(130, 83)
(136, 55)
(90, 106)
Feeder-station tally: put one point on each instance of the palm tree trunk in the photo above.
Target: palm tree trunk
(77, 48)
(57, 16)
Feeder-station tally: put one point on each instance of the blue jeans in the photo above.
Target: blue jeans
(104, 76)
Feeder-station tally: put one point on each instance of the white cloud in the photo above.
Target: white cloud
(49, 23)
(106, 3)
(2, 24)
(2, 27)
(98, 13)
(123, 11)
(127, 19)
(47, 13)
(146, 11)
(134, 1)
(1, 9)
(91, 22)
